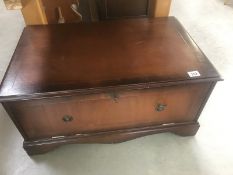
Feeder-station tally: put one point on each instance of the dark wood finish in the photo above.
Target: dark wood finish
(105, 82)
(102, 112)
(89, 10)
(95, 10)
(115, 53)
(117, 136)
(112, 9)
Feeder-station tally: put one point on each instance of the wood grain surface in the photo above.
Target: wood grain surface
(104, 112)
(70, 57)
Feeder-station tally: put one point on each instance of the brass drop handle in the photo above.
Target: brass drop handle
(160, 107)
(67, 118)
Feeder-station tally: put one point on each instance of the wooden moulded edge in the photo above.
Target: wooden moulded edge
(116, 136)
(86, 91)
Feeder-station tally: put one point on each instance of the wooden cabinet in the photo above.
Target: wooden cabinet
(111, 9)
(66, 116)
(50, 11)
(95, 10)
(105, 82)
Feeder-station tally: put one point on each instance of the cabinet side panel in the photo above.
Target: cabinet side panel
(205, 99)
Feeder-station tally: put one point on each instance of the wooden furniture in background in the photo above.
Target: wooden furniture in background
(105, 82)
(52, 14)
(33, 12)
(46, 11)
(162, 8)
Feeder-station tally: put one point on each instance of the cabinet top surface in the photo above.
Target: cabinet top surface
(76, 57)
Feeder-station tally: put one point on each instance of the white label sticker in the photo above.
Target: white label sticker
(194, 74)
